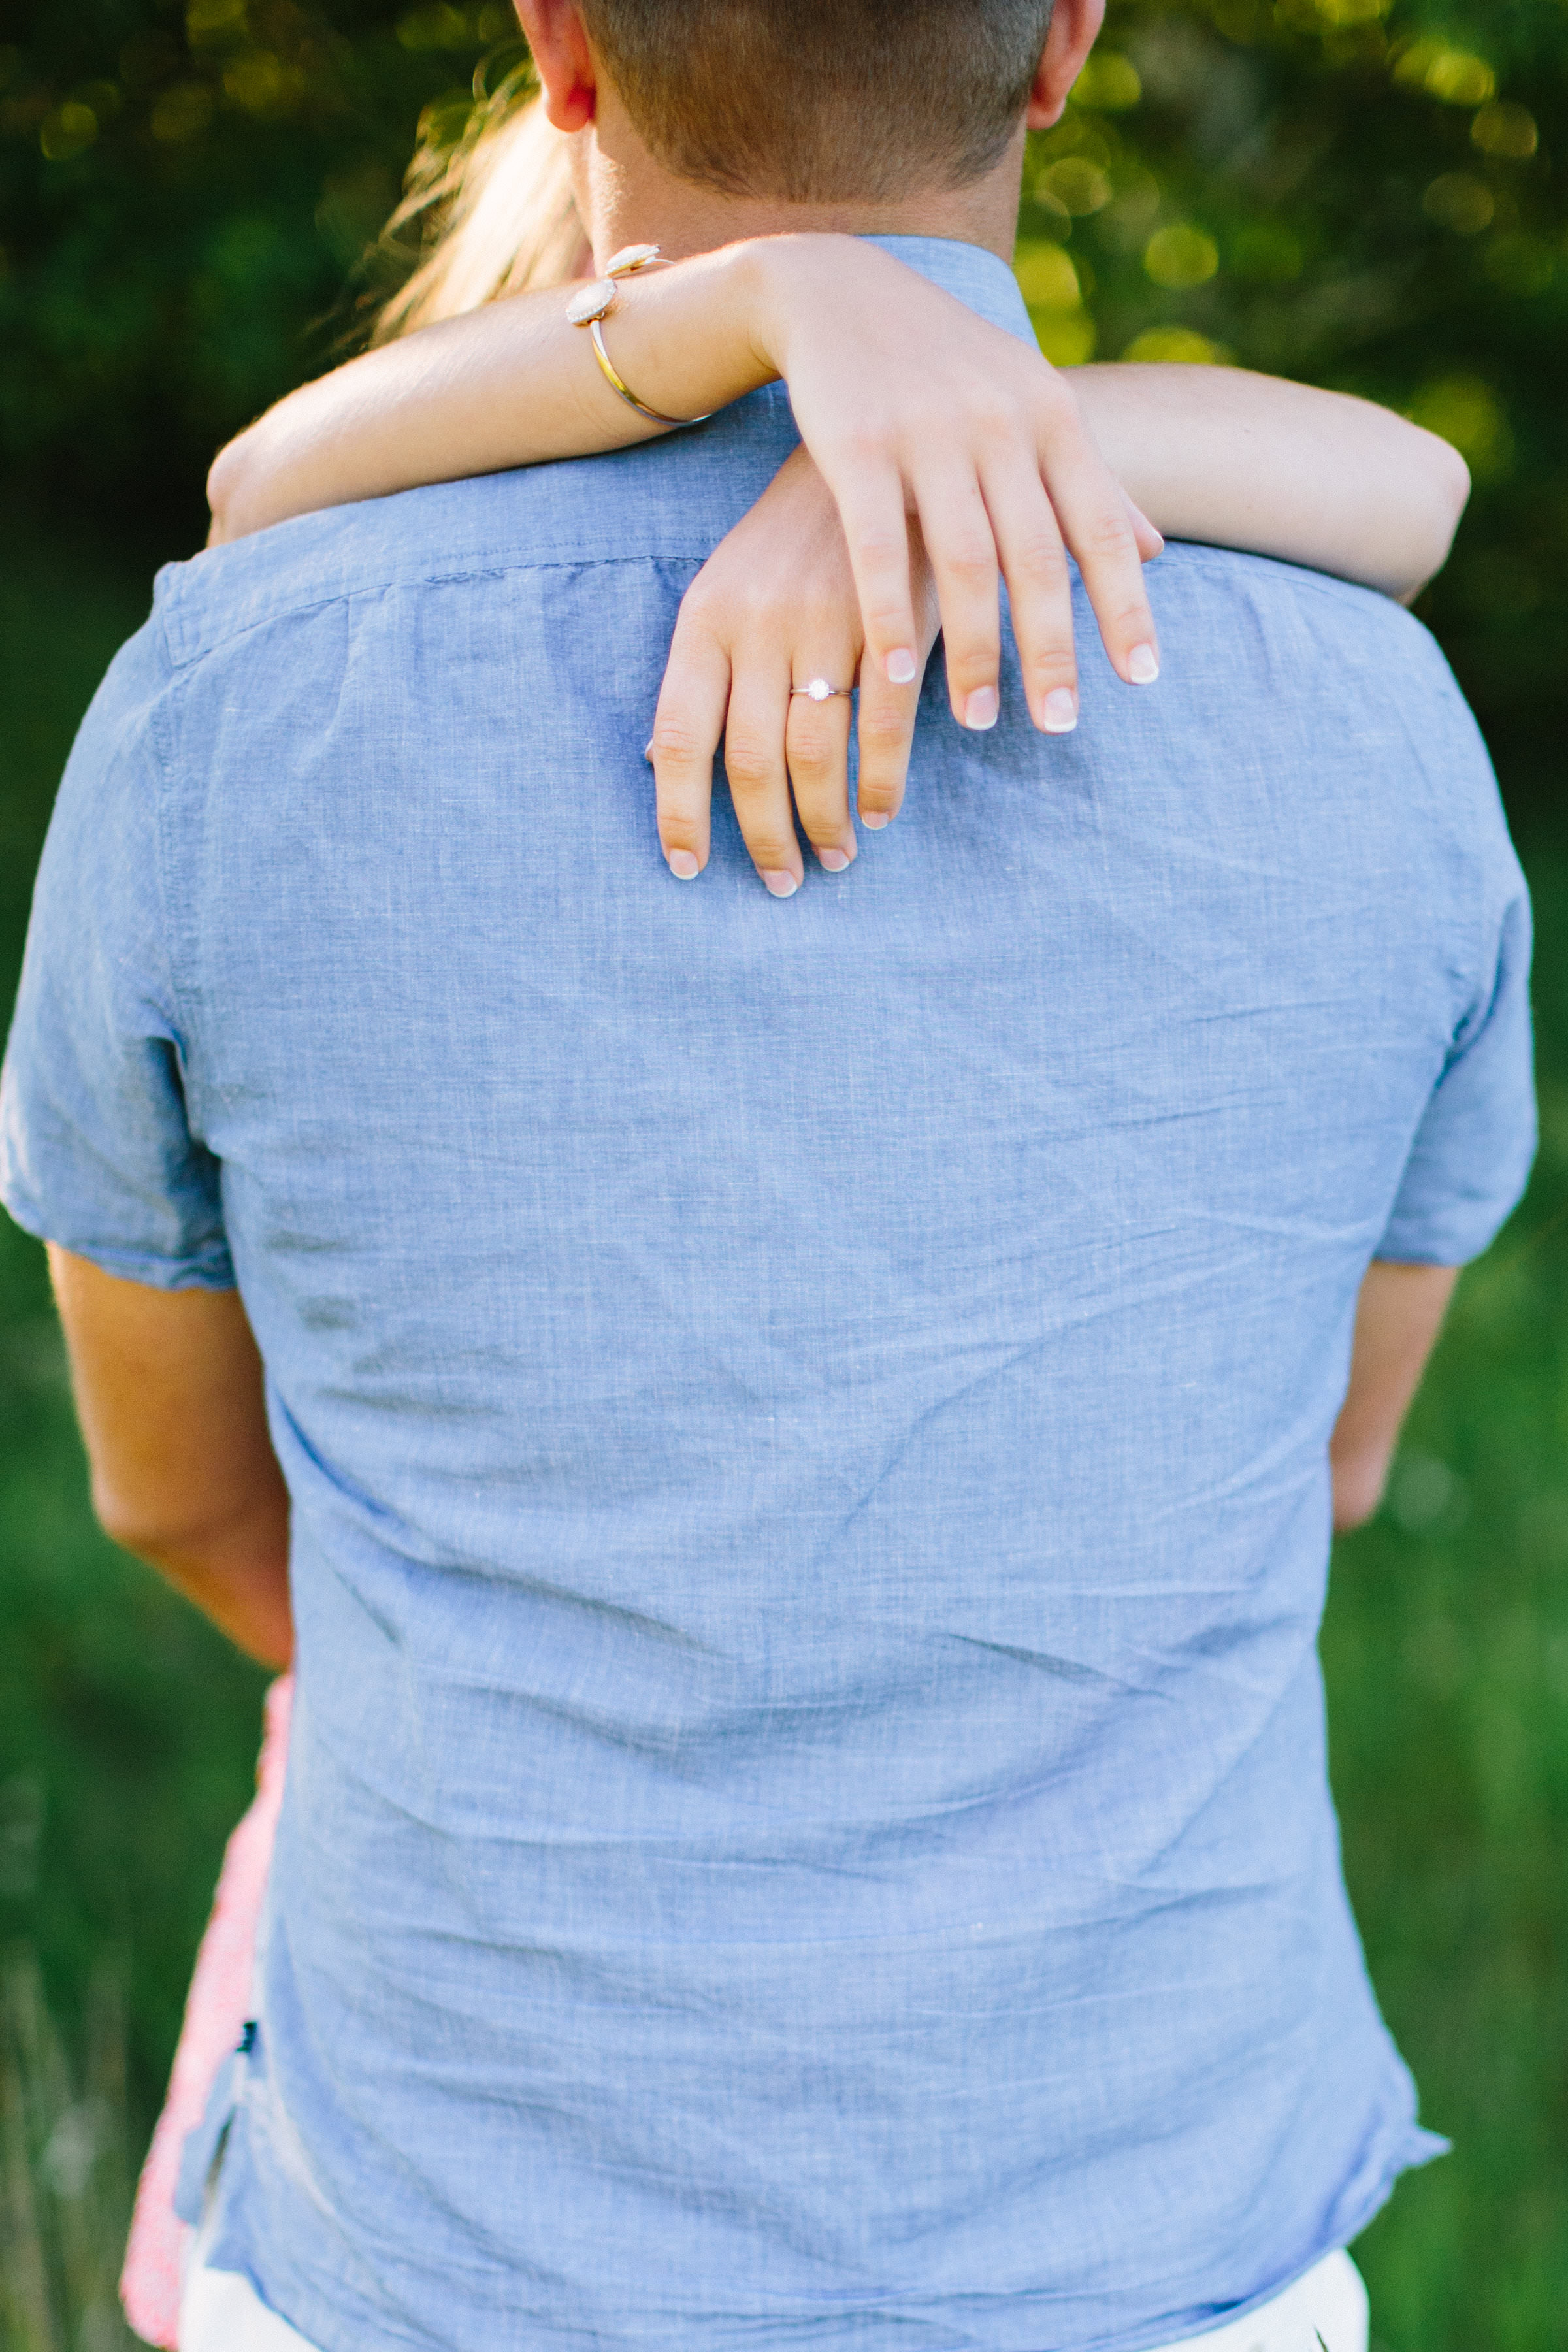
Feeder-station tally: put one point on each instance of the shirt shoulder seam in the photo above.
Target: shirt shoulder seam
(162, 719)
(195, 645)
(1202, 556)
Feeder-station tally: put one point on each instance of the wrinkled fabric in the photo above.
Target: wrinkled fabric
(1325, 2311)
(807, 1820)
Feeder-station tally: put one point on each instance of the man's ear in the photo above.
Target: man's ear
(563, 60)
(1075, 29)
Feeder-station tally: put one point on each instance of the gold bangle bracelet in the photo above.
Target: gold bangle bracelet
(593, 305)
(619, 384)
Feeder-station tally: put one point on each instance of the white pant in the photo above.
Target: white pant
(221, 2312)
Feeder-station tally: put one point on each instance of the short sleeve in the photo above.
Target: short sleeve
(95, 1150)
(1476, 1143)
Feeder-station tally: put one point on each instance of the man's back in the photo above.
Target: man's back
(807, 1423)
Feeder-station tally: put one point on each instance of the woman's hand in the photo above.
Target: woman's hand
(915, 409)
(774, 606)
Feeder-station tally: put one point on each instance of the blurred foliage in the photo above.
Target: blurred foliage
(181, 195)
(128, 1725)
(1358, 193)
(1362, 192)
(64, 2168)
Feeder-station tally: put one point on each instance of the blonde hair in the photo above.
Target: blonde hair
(493, 214)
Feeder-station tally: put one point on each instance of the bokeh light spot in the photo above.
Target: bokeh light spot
(1067, 337)
(1466, 412)
(1506, 130)
(69, 131)
(1457, 77)
(437, 27)
(1184, 345)
(1078, 184)
(1460, 202)
(208, 21)
(1047, 277)
(255, 81)
(1181, 256)
(1521, 265)
(1109, 83)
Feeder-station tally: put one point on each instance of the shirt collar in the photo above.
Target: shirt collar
(980, 281)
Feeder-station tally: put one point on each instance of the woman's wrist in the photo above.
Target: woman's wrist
(781, 282)
(687, 339)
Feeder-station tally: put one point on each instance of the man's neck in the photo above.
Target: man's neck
(629, 198)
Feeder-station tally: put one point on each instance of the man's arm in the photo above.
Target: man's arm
(169, 1394)
(1398, 1317)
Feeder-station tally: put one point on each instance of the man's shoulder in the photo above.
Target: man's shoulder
(1327, 674)
(669, 501)
(1225, 585)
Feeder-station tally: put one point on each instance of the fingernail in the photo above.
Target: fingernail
(1142, 665)
(1061, 711)
(782, 885)
(901, 667)
(835, 860)
(980, 710)
(874, 819)
(683, 865)
(647, 750)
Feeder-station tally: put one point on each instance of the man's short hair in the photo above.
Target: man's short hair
(822, 100)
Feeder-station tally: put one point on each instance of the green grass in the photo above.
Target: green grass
(1447, 1654)
(128, 1730)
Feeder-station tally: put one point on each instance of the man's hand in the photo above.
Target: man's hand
(1398, 1317)
(169, 1394)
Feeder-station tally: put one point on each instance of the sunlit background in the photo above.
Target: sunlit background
(1361, 194)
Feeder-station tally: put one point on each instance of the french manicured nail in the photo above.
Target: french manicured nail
(980, 710)
(1142, 665)
(683, 865)
(874, 819)
(1061, 711)
(782, 885)
(901, 667)
(648, 750)
(835, 860)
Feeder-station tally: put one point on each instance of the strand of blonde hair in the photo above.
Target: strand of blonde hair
(494, 214)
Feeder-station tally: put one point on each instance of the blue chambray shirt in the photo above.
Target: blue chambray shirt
(807, 1820)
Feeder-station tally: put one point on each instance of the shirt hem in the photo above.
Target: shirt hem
(879, 2329)
(210, 1271)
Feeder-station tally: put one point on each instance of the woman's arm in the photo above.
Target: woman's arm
(910, 403)
(1241, 461)
(511, 383)
(945, 448)
(1278, 468)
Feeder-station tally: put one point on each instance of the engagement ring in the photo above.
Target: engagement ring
(819, 691)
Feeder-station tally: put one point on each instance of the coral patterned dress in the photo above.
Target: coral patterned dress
(215, 2011)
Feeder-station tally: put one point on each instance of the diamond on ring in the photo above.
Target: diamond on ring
(818, 690)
